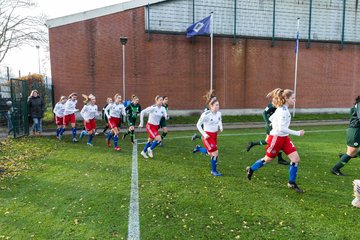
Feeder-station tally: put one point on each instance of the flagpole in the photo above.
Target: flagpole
(211, 50)
(296, 61)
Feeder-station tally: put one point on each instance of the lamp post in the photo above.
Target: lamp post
(38, 50)
(123, 41)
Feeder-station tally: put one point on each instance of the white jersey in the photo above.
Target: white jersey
(89, 112)
(212, 122)
(70, 107)
(280, 122)
(155, 114)
(59, 109)
(115, 110)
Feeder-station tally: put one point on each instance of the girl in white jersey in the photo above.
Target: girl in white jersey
(279, 137)
(69, 115)
(156, 112)
(59, 114)
(89, 112)
(208, 125)
(114, 112)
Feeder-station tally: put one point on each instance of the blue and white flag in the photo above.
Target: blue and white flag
(201, 27)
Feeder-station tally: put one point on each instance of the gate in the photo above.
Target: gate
(19, 111)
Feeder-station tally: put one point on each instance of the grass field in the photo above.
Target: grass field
(76, 192)
(49, 119)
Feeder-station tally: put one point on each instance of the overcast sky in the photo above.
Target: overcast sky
(26, 59)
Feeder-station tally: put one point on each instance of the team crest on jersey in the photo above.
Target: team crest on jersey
(211, 145)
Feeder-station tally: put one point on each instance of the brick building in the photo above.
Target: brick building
(253, 52)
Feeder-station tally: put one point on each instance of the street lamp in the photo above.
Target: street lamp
(123, 41)
(38, 50)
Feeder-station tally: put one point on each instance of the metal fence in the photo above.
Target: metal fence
(14, 116)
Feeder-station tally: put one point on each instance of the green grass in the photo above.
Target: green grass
(76, 192)
(71, 192)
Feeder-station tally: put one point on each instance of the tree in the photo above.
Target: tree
(18, 26)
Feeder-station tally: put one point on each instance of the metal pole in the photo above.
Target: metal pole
(211, 50)
(310, 14)
(296, 61)
(235, 3)
(8, 73)
(148, 21)
(123, 47)
(193, 2)
(38, 50)
(343, 25)
(273, 31)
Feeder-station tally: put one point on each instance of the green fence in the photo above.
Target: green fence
(14, 115)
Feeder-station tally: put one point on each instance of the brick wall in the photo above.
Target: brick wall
(86, 57)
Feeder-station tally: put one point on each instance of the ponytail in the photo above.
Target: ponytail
(62, 98)
(157, 98)
(72, 94)
(87, 99)
(279, 96)
(134, 97)
(210, 98)
(357, 100)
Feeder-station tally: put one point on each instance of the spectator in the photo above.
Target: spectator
(36, 111)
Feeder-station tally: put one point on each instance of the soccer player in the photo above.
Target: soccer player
(163, 120)
(269, 110)
(89, 112)
(69, 116)
(108, 101)
(114, 112)
(279, 137)
(208, 96)
(156, 112)
(59, 114)
(132, 112)
(352, 138)
(208, 125)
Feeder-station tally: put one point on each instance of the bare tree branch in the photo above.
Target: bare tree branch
(19, 29)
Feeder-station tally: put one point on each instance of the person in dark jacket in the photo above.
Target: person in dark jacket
(36, 111)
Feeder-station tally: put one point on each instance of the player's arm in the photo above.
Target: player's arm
(107, 110)
(143, 112)
(358, 110)
(282, 118)
(265, 115)
(200, 122)
(220, 124)
(84, 114)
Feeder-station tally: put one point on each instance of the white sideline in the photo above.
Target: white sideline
(134, 223)
(246, 134)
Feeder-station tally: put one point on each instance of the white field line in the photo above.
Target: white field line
(134, 223)
(242, 134)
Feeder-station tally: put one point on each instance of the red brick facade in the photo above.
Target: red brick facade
(86, 57)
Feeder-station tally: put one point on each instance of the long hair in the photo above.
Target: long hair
(87, 98)
(72, 94)
(157, 98)
(357, 100)
(116, 96)
(279, 96)
(62, 98)
(134, 97)
(210, 98)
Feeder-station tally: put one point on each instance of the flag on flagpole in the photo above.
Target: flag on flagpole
(201, 27)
